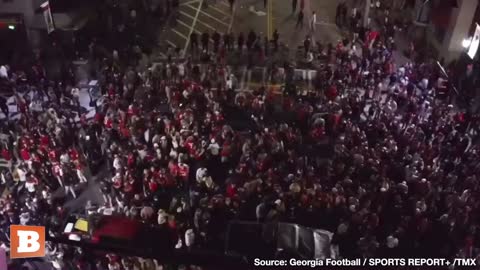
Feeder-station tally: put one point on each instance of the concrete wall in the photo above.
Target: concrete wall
(27, 8)
(459, 28)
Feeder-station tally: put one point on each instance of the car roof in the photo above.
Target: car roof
(248, 238)
(117, 227)
(129, 233)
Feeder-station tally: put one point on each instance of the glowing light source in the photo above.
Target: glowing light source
(466, 42)
(474, 43)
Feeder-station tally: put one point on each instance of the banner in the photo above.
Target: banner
(47, 14)
(472, 50)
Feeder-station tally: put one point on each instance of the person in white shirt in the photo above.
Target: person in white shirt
(4, 71)
(313, 21)
(117, 164)
(24, 218)
(189, 238)
(22, 174)
(30, 186)
(80, 175)
(106, 210)
(64, 158)
(229, 82)
(181, 70)
(214, 148)
(201, 172)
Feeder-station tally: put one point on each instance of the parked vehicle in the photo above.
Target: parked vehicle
(278, 240)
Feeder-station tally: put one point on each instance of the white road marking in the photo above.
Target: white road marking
(220, 11)
(204, 23)
(191, 28)
(180, 34)
(208, 15)
(186, 25)
(186, 14)
(211, 27)
(189, 2)
(171, 43)
(232, 18)
(197, 20)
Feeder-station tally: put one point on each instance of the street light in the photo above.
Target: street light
(11, 27)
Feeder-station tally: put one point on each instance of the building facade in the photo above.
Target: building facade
(446, 24)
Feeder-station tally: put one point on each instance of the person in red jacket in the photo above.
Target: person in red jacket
(332, 92)
(6, 154)
(25, 154)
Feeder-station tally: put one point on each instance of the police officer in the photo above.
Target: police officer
(216, 41)
(194, 42)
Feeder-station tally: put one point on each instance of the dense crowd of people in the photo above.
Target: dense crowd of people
(374, 153)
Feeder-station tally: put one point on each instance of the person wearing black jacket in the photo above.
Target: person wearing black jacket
(338, 14)
(194, 42)
(306, 44)
(4, 106)
(69, 181)
(216, 41)
(227, 41)
(240, 41)
(251, 39)
(276, 36)
(299, 20)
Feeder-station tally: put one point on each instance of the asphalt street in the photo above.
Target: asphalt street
(195, 16)
(216, 15)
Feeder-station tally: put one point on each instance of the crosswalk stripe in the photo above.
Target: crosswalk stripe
(221, 11)
(234, 10)
(178, 33)
(208, 15)
(186, 14)
(206, 24)
(189, 2)
(199, 21)
(197, 12)
(171, 43)
(186, 25)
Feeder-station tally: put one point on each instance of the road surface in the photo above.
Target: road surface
(246, 15)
